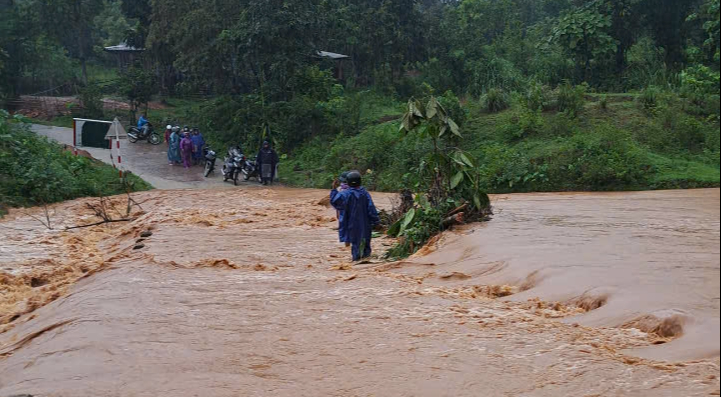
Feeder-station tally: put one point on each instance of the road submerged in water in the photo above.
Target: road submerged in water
(246, 292)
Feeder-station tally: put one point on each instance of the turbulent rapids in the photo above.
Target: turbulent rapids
(204, 294)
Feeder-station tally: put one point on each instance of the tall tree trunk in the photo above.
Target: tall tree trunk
(83, 56)
(82, 39)
(84, 67)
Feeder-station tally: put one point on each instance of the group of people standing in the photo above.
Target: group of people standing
(184, 147)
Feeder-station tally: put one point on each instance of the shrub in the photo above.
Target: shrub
(700, 87)
(492, 72)
(561, 125)
(439, 74)
(512, 171)
(645, 63)
(690, 134)
(530, 122)
(650, 99)
(538, 96)
(370, 150)
(713, 140)
(570, 99)
(453, 106)
(92, 103)
(495, 100)
(699, 79)
(603, 102)
(606, 158)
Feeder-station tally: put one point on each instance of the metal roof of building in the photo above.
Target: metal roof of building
(123, 47)
(332, 55)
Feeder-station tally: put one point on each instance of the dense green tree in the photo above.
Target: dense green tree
(71, 22)
(243, 47)
(139, 11)
(32, 59)
(583, 33)
(111, 26)
(137, 85)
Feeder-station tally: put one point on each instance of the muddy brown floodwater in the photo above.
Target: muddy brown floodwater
(246, 293)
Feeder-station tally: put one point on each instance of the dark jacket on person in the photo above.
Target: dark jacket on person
(267, 156)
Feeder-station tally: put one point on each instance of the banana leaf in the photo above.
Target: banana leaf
(457, 179)
(408, 220)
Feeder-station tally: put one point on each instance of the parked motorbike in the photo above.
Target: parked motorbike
(210, 157)
(233, 165)
(144, 134)
(251, 170)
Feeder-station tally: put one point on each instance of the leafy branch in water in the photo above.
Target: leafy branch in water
(450, 189)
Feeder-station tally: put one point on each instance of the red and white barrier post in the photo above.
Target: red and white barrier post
(117, 148)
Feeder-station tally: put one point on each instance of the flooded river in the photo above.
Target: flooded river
(246, 292)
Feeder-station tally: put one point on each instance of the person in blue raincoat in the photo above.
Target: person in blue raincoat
(174, 147)
(143, 125)
(359, 215)
(198, 144)
(343, 179)
(142, 121)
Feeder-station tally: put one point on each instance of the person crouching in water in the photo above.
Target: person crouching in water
(359, 215)
(267, 161)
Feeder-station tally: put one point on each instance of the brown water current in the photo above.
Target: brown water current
(245, 292)
(648, 260)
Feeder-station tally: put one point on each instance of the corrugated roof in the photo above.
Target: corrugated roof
(332, 55)
(123, 47)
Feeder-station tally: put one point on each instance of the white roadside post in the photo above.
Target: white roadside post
(117, 146)
(114, 136)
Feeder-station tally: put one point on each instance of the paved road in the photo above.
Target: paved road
(145, 160)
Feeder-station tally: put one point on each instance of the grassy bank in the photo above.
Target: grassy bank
(35, 171)
(607, 143)
(629, 141)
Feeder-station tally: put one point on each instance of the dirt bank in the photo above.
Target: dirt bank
(247, 291)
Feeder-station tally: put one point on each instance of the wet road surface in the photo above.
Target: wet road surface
(148, 161)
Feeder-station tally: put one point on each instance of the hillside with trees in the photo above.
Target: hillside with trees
(549, 94)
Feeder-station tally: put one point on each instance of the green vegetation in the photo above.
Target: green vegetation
(449, 180)
(495, 100)
(619, 147)
(34, 171)
(548, 94)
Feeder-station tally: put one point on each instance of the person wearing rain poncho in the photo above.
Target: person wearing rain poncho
(267, 161)
(168, 131)
(343, 179)
(359, 215)
(186, 150)
(174, 147)
(198, 144)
